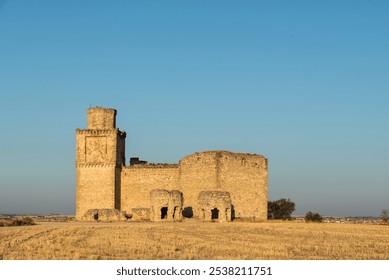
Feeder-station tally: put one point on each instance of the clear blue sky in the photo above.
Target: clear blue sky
(304, 83)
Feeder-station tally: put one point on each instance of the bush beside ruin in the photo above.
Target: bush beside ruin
(27, 221)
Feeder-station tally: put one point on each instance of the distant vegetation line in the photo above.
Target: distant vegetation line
(27, 221)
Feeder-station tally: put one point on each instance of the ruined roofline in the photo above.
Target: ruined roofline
(152, 165)
(221, 152)
(103, 108)
(177, 165)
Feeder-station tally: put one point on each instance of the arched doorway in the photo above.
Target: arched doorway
(164, 213)
(215, 214)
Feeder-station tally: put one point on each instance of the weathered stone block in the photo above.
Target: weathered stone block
(165, 205)
(215, 205)
(140, 214)
(104, 215)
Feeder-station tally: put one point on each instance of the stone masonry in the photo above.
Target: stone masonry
(215, 205)
(104, 215)
(165, 205)
(104, 181)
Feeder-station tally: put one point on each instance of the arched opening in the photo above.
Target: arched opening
(96, 217)
(163, 213)
(215, 214)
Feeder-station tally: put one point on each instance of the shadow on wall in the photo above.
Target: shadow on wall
(187, 212)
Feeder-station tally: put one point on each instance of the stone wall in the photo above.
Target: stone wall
(95, 187)
(244, 176)
(101, 118)
(137, 181)
(100, 146)
(197, 173)
(100, 154)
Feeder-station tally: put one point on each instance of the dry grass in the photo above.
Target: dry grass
(195, 240)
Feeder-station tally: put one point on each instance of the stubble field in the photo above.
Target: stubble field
(195, 240)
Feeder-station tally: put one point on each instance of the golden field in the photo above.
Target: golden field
(195, 240)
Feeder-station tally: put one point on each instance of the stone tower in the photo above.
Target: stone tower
(100, 155)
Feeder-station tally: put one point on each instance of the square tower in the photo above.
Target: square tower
(100, 155)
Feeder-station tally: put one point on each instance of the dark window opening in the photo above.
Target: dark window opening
(187, 212)
(215, 214)
(163, 213)
(96, 216)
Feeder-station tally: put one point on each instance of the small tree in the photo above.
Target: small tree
(385, 215)
(280, 209)
(313, 217)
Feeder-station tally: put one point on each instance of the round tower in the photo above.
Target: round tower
(101, 118)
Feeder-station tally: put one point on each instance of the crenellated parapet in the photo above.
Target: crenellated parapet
(95, 165)
(98, 132)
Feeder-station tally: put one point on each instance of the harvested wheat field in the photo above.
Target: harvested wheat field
(195, 240)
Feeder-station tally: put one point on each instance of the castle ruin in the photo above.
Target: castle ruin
(210, 185)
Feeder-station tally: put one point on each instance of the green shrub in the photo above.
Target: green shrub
(313, 217)
(280, 209)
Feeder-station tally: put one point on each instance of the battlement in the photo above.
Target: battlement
(96, 132)
(93, 165)
(101, 118)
